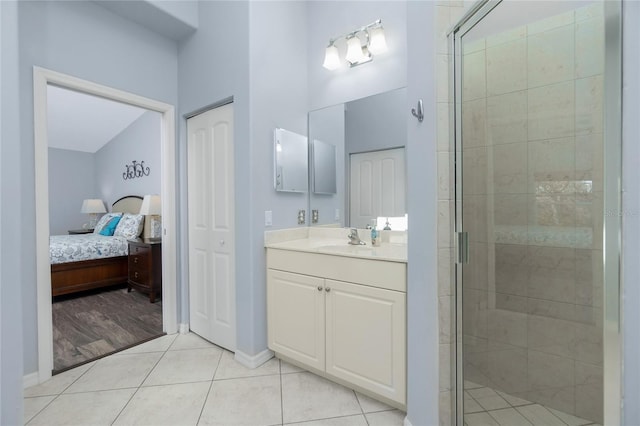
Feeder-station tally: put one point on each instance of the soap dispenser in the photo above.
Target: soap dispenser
(375, 237)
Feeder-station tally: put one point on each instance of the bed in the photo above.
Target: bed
(75, 268)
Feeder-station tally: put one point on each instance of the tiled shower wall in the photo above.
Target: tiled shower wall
(533, 181)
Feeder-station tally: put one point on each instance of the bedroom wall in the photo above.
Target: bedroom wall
(71, 180)
(141, 142)
(87, 41)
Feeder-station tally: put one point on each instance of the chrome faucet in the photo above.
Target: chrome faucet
(354, 239)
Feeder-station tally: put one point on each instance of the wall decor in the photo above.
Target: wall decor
(135, 170)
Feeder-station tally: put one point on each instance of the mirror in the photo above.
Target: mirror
(324, 167)
(368, 137)
(290, 161)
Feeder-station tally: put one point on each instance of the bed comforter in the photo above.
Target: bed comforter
(73, 248)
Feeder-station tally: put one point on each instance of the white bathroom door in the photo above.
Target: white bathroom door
(212, 289)
(377, 186)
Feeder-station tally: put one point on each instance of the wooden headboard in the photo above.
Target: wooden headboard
(131, 204)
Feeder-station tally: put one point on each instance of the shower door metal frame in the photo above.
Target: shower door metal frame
(612, 211)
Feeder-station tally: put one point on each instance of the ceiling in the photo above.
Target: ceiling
(81, 122)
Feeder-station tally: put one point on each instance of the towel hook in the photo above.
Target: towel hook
(419, 114)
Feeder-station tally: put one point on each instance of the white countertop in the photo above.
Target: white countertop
(332, 242)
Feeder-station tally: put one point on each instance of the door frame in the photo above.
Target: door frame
(612, 223)
(41, 78)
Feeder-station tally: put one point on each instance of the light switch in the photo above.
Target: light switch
(302, 217)
(268, 218)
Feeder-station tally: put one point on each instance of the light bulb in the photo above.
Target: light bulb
(354, 50)
(331, 58)
(377, 41)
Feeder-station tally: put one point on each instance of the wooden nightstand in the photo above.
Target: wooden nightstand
(145, 267)
(80, 231)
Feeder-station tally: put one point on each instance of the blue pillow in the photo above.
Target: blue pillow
(110, 227)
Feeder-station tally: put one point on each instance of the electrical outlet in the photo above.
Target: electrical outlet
(302, 217)
(314, 216)
(337, 216)
(268, 218)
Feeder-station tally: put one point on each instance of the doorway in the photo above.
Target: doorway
(43, 78)
(90, 138)
(537, 338)
(211, 202)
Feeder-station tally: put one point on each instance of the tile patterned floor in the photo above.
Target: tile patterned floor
(484, 406)
(185, 380)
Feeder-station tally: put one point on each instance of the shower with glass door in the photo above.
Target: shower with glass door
(535, 167)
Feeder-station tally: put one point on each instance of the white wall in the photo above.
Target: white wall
(268, 84)
(278, 83)
(12, 271)
(140, 141)
(86, 41)
(388, 71)
(211, 68)
(631, 216)
(422, 190)
(71, 180)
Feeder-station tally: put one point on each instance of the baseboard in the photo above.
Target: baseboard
(253, 361)
(30, 379)
(406, 421)
(183, 328)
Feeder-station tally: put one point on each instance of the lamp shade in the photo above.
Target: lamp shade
(331, 58)
(92, 206)
(151, 205)
(377, 41)
(354, 50)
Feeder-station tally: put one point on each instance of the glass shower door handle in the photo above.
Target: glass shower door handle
(462, 240)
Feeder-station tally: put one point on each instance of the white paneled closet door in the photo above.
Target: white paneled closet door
(212, 290)
(377, 186)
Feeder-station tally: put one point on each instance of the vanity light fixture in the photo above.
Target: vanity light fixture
(362, 44)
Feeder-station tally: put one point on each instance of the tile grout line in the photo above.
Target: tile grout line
(204, 404)
(55, 396)
(360, 405)
(138, 387)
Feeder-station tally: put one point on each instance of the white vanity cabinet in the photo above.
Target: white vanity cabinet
(351, 332)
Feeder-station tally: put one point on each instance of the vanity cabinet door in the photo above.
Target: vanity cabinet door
(365, 337)
(296, 317)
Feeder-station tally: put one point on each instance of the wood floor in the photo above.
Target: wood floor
(97, 323)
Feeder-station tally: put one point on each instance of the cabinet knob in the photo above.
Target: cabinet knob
(319, 288)
(328, 289)
(221, 243)
(135, 260)
(136, 275)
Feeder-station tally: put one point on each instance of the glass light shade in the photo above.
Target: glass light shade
(331, 58)
(151, 205)
(354, 50)
(377, 41)
(92, 206)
